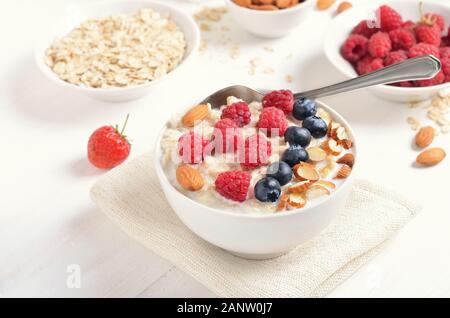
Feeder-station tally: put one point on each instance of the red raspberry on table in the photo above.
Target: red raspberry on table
(108, 147)
(272, 119)
(446, 68)
(402, 39)
(428, 34)
(239, 112)
(226, 135)
(282, 99)
(438, 79)
(421, 49)
(444, 52)
(191, 147)
(364, 29)
(395, 57)
(389, 18)
(368, 65)
(379, 45)
(233, 185)
(354, 48)
(257, 151)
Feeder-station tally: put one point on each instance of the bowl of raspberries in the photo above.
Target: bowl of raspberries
(378, 34)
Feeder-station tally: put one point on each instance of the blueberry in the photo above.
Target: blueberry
(294, 154)
(281, 171)
(295, 135)
(316, 126)
(267, 190)
(304, 108)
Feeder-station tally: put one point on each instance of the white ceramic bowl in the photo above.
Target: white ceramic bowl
(342, 25)
(256, 236)
(270, 24)
(77, 14)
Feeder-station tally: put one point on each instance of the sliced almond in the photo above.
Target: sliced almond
(425, 136)
(340, 134)
(325, 171)
(431, 156)
(344, 6)
(327, 184)
(346, 143)
(316, 154)
(324, 115)
(296, 200)
(282, 202)
(305, 171)
(300, 186)
(189, 178)
(332, 127)
(347, 159)
(343, 172)
(316, 191)
(332, 147)
(195, 115)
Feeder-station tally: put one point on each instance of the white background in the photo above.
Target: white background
(47, 221)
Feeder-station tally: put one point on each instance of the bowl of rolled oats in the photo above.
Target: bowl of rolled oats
(118, 50)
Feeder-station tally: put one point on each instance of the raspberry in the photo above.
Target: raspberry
(389, 18)
(395, 57)
(354, 48)
(233, 185)
(421, 49)
(226, 135)
(444, 52)
(408, 25)
(257, 151)
(364, 29)
(191, 147)
(435, 19)
(446, 68)
(438, 79)
(272, 118)
(428, 34)
(402, 39)
(379, 45)
(406, 84)
(368, 65)
(445, 40)
(239, 112)
(282, 99)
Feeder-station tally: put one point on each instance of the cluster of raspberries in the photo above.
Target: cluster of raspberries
(372, 46)
(227, 137)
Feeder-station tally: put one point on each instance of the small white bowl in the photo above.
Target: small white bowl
(77, 14)
(270, 24)
(256, 236)
(342, 25)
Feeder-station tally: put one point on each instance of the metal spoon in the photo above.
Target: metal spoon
(418, 68)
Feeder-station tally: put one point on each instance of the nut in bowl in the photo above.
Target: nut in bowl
(376, 34)
(271, 19)
(117, 50)
(257, 178)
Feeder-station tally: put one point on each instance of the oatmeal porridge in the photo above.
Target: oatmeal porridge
(257, 157)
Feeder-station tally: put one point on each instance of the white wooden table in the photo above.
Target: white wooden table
(47, 221)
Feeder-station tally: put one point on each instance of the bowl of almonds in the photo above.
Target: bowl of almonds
(269, 18)
(117, 50)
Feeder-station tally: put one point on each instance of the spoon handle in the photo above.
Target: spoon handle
(422, 67)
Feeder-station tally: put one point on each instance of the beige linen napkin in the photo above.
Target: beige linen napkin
(130, 195)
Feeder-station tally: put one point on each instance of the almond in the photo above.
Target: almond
(346, 143)
(305, 171)
(340, 134)
(344, 6)
(325, 4)
(282, 4)
(332, 127)
(316, 154)
(332, 147)
(195, 114)
(425, 136)
(347, 159)
(296, 200)
(431, 156)
(243, 3)
(189, 178)
(327, 184)
(300, 187)
(343, 172)
(316, 191)
(282, 202)
(265, 7)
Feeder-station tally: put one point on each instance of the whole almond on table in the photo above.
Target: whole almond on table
(189, 178)
(324, 4)
(424, 137)
(344, 6)
(195, 114)
(431, 156)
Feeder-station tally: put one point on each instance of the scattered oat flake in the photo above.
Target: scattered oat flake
(413, 122)
(234, 52)
(212, 14)
(203, 46)
(268, 49)
(205, 27)
(289, 78)
(269, 70)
